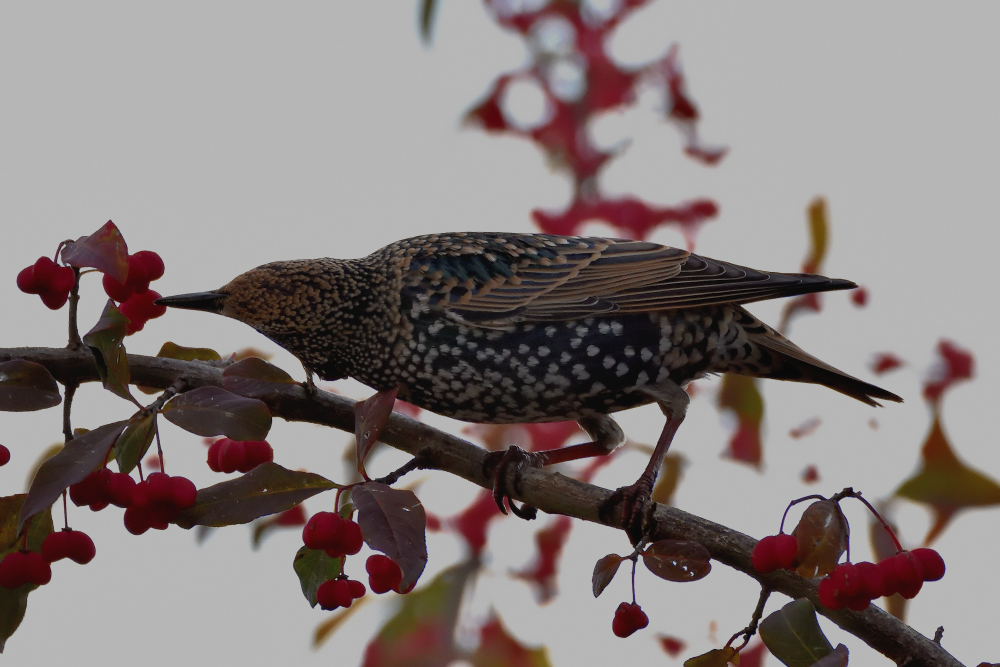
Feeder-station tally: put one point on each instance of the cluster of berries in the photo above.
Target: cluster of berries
(340, 592)
(152, 503)
(48, 280)
(30, 567)
(629, 617)
(775, 552)
(133, 295)
(225, 455)
(855, 585)
(329, 532)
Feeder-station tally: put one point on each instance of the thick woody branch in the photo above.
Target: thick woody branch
(546, 490)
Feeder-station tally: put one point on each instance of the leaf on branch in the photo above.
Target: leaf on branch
(370, 417)
(677, 560)
(80, 457)
(104, 250)
(822, 538)
(105, 341)
(604, 571)
(210, 411)
(27, 386)
(836, 659)
(393, 522)
(313, 567)
(717, 657)
(133, 443)
(267, 489)
(792, 634)
(945, 483)
(174, 351)
(254, 376)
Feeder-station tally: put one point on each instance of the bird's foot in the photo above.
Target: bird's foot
(635, 508)
(498, 465)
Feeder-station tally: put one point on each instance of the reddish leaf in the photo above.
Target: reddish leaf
(753, 656)
(740, 394)
(313, 567)
(672, 646)
(818, 238)
(27, 386)
(885, 362)
(808, 427)
(955, 365)
(105, 341)
(80, 457)
(945, 483)
(174, 351)
(677, 560)
(267, 489)
(474, 521)
(792, 634)
(497, 648)
(668, 479)
(810, 475)
(542, 573)
(370, 417)
(290, 518)
(822, 538)
(254, 376)
(133, 443)
(104, 250)
(209, 411)
(859, 297)
(549, 435)
(604, 571)
(393, 522)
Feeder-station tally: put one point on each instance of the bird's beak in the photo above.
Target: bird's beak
(210, 302)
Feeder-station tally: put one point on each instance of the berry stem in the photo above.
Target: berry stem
(635, 561)
(67, 410)
(792, 504)
(65, 511)
(758, 613)
(885, 524)
(75, 342)
(159, 445)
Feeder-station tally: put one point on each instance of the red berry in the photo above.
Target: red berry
(36, 568)
(257, 452)
(13, 570)
(786, 547)
(54, 300)
(45, 271)
(213, 455)
(158, 488)
(351, 539)
(325, 595)
(81, 547)
(183, 492)
(764, 559)
(26, 280)
(846, 579)
(828, 594)
(629, 617)
(56, 546)
(92, 490)
(4, 456)
(383, 574)
(356, 588)
(910, 574)
(931, 562)
(139, 309)
(232, 456)
(137, 520)
(148, 266)
(117, 291)
(871, 578)
(338, 593)
(295, 516)
(63, 280)
(120, 489)
(322, 530)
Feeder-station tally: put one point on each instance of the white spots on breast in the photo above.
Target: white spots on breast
(617, 328)
(609, 361)
(575, 343)
(645, 354)
(642, 378)
(593, 351)
(604, 328)
(543, 351)
(523, 349)
(622, 369)
(580, 373)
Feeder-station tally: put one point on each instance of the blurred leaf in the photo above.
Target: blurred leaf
(370, 416)
(604, 571)
(253, 376)
(209, 411)
(134, 441)
(669, 478)
(954, 366)
(740, 394)
(945, 483)
(543, 571)
(105, 341)
(836, 659)
(80, 457)
(174, 351)
(326, 629)
(792, 634)
(46, 454)
(717, 657)
(267, 489)
(293, 518)
(428, 10)
(822, 538)
(497, 648)
(421, 633)
(314, 567)
(672, 646)
(818, 236)
(104, 250)
(393, 522)
(677, 560)
(27, 386)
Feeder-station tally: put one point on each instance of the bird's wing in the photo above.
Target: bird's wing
(493, 278)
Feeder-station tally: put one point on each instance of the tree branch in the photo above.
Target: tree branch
(546, 490)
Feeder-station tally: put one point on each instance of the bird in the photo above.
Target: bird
(496, 327)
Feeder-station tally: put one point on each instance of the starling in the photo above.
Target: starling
(518, 328)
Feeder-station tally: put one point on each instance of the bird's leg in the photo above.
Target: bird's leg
(310, 384)
(635, 498)
(606, 435)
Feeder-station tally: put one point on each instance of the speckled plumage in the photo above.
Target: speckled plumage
(495, 327)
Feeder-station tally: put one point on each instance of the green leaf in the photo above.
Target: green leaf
(604, 572)
(80, 457)
(717, 657)
(677, 560)
(314, 567)
(27, 386)
(394, 522)
(210, 411)
(254, 376)
(104, 250)
(428, 10)
(174, 351)
(370, 417)
(14, 602)
(133, 443)
(267, 489)
(105, 341)
(793, 635)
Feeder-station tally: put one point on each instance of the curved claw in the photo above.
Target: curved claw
(496, 466)
(635, 507)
